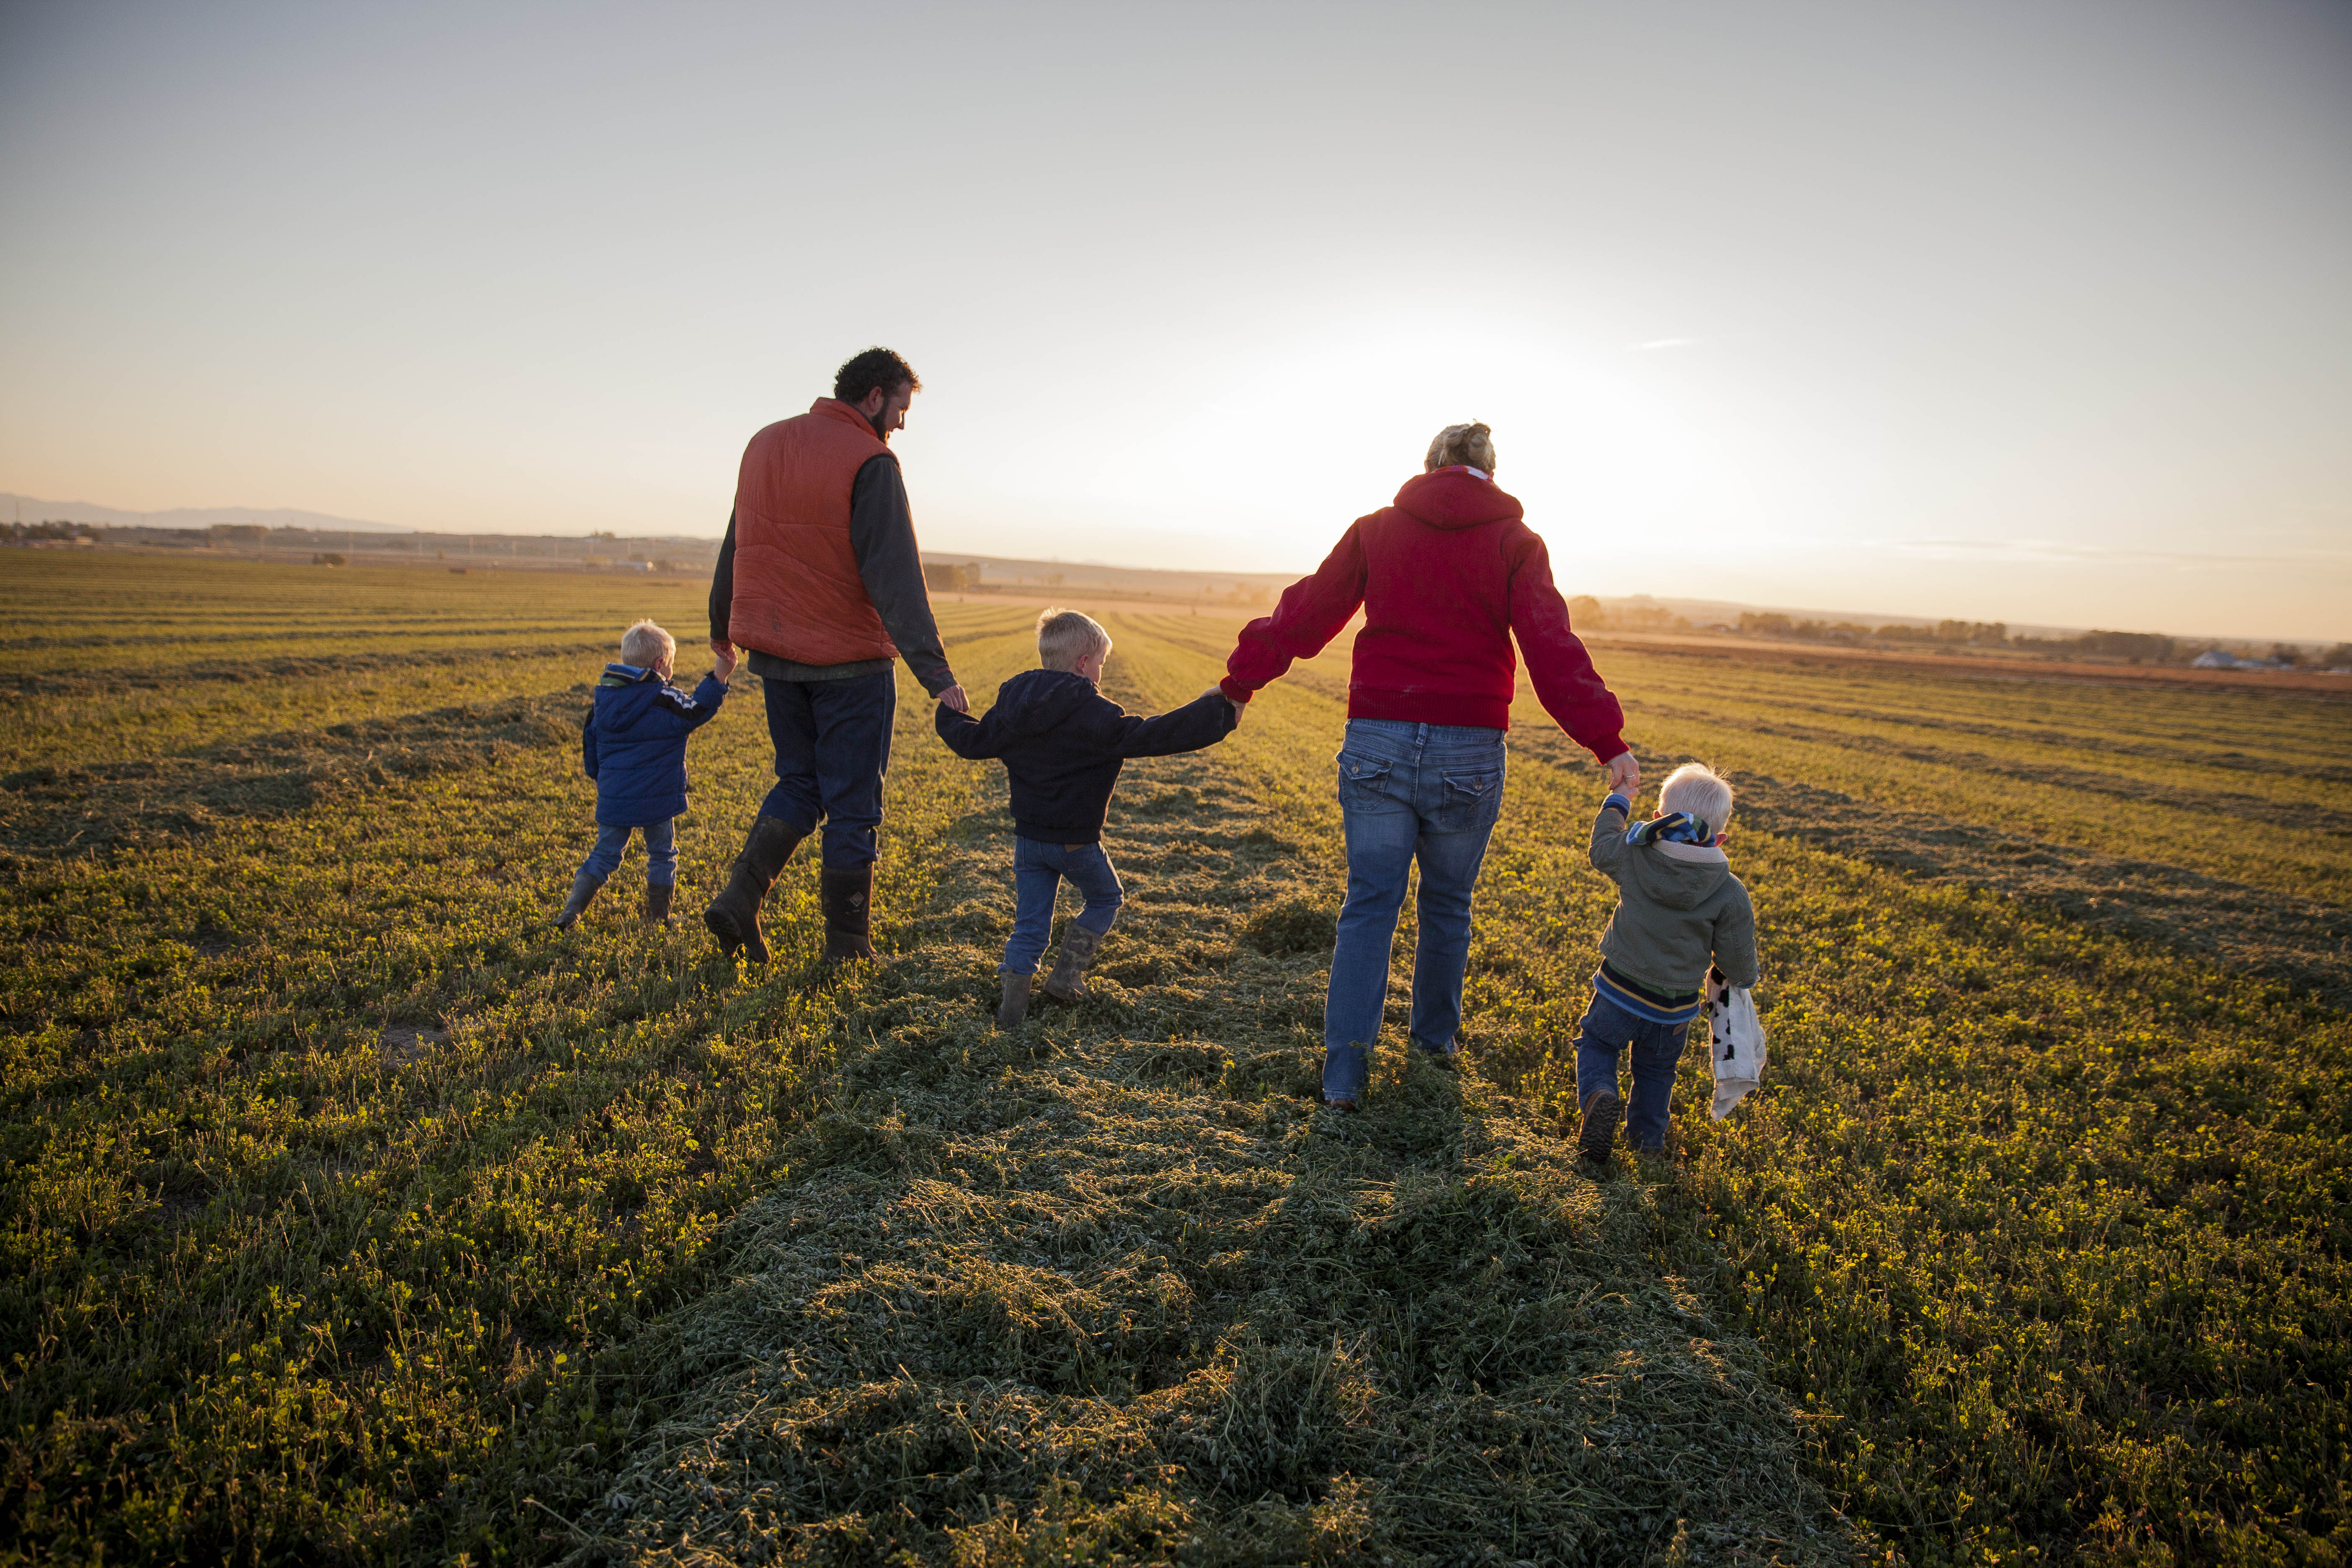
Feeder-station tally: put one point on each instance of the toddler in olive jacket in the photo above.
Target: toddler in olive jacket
(1680, 912)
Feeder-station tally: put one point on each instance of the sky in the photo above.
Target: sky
(2005, 312)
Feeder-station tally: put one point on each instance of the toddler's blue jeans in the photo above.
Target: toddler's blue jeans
(1657, 1052)
(1037, 873)
(661, 852)
(1410, 794)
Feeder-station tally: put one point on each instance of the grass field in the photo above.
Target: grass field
(354, 1214)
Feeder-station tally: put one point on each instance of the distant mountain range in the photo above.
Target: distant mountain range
(28, 509)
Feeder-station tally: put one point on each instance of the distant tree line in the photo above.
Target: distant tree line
(2136, 647)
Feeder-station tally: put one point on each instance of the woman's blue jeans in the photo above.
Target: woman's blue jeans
(1608, 1030)
(1037, 873)
(1408, 793)
(661, 852)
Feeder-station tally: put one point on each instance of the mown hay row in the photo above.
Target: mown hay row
(1107, 1287)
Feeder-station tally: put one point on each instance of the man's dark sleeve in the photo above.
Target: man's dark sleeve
(722, 586)
(882, 535)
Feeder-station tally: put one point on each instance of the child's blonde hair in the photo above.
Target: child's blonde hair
(1472, 446)
(1699, 790)
(645, 645)
(1065, 637)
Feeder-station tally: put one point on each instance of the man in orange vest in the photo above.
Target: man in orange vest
(821, 584)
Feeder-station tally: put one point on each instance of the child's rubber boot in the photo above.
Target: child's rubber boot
(846, 898)
(1068, 981)
(1602, 1111)
(657, 897)
(1015, 1005)
(733, 916)
(583, 888)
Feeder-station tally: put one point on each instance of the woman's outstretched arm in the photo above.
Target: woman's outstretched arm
(1559, 669)
(1312, 612)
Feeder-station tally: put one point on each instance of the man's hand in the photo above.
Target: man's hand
(954, 697)
(721, 648)
(1624, 774)
(723, 656)
(1220, 691)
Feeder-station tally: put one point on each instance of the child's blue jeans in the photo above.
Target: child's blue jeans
(1657, 1052)
(661, 852)
(1037, 873)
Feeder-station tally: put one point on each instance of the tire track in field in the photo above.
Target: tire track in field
(1109, 1284)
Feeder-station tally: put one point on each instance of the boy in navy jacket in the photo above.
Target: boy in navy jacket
(632, 743)
(1062, 742)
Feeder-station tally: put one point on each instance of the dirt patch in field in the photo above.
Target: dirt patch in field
(1111, 1287)
(51, 812)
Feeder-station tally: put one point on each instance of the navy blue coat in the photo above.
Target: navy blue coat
(1064, 741)
(632, 743)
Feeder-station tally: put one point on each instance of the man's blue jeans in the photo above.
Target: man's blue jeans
(1408, 793)
(832, 748)
(1657, 1053)
(661, 852)
(1037, 873)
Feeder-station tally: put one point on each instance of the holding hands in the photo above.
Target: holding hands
(722, 656)
(1624, 774)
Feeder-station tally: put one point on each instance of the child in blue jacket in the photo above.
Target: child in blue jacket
(633, 744)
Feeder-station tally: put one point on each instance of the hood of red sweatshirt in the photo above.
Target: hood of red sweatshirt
(1455, 498)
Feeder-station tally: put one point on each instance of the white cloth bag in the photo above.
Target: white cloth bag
(1739, 1038)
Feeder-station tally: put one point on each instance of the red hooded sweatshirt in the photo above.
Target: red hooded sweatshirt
(1445, 577)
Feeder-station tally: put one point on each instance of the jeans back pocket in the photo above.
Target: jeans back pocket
(1472, 799)
(1364, 781)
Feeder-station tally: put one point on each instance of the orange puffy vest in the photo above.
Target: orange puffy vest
(797, 592)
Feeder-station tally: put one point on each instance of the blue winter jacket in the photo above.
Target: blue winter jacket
(632, 742)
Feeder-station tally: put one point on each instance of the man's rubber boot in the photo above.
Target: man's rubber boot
(657, 896)
(583, 888)
(1603, 1111)
(847, 897)
(1015, 1005)
(733, 916)
(1068, 981)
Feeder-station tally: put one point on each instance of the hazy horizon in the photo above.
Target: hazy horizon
(2006, 313)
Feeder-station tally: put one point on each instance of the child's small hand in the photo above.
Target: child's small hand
(723, 663)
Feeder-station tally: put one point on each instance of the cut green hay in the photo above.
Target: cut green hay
(2048, 1223)
(354, 1215)
(1108, 1288)
(2303, 942)
(150, 801)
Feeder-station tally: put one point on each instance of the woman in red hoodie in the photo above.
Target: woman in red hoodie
(1446, 576)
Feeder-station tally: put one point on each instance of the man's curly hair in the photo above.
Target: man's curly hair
(875, 367)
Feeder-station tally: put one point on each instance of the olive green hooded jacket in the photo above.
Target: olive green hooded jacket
(1678, 908)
